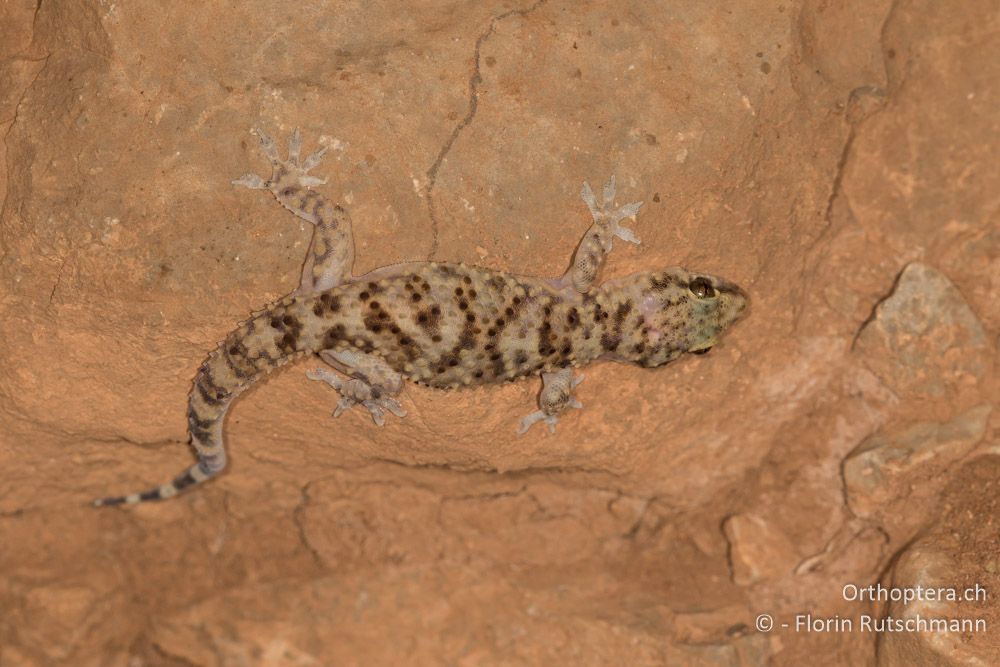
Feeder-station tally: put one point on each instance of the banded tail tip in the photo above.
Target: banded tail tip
(196, 474)
(159, 493)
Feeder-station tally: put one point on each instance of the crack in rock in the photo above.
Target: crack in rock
(473, 106)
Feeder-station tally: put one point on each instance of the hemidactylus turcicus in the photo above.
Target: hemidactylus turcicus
(445, 325)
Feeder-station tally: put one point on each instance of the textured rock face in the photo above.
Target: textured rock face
(956, 555)
(924, 339)
(887, 470)
(837, 160)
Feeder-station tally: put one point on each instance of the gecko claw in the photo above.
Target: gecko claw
(252, 181)
(606, 214)
(357, 392)
(284, 172)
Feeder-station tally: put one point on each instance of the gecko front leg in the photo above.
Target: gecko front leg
(556, 396)
(372, 383)
(330, 258)
(597, 242)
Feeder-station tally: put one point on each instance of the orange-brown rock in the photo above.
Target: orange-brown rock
(837, 160)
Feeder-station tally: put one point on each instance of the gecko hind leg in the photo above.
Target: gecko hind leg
(330, 258)
(556, 396)
(372, 383)
(598, 240)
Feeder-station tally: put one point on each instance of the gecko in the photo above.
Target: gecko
(444, 325)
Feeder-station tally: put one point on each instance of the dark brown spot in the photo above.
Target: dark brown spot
(459, 291)
(660, 283)
(416, 296)
(467, 280)
(623, 310)
(333, 336)
(463, 304)
(210, 393)
(436, 338)
(374, 305)
(364, 296)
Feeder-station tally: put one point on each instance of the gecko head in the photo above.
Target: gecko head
(686, 312)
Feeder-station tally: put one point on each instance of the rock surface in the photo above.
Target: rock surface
(837, 160)
(958, 555)
(889, 472)
(924, 339)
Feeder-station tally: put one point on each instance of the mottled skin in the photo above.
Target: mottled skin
(446, 325)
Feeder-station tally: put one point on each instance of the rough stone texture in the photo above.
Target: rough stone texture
(838, 160)
(887, 470)
(924, 339)
(960, 552)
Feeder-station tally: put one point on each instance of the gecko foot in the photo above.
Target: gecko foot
(606, 214)
(556, 396)
(284, 173)
(358, 392)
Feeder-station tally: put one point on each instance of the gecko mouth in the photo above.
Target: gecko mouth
(703, 350)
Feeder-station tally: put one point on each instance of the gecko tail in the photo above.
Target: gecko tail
(227, 371)
(205, 469)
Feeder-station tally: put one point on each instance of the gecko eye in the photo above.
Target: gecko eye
(701, 288)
